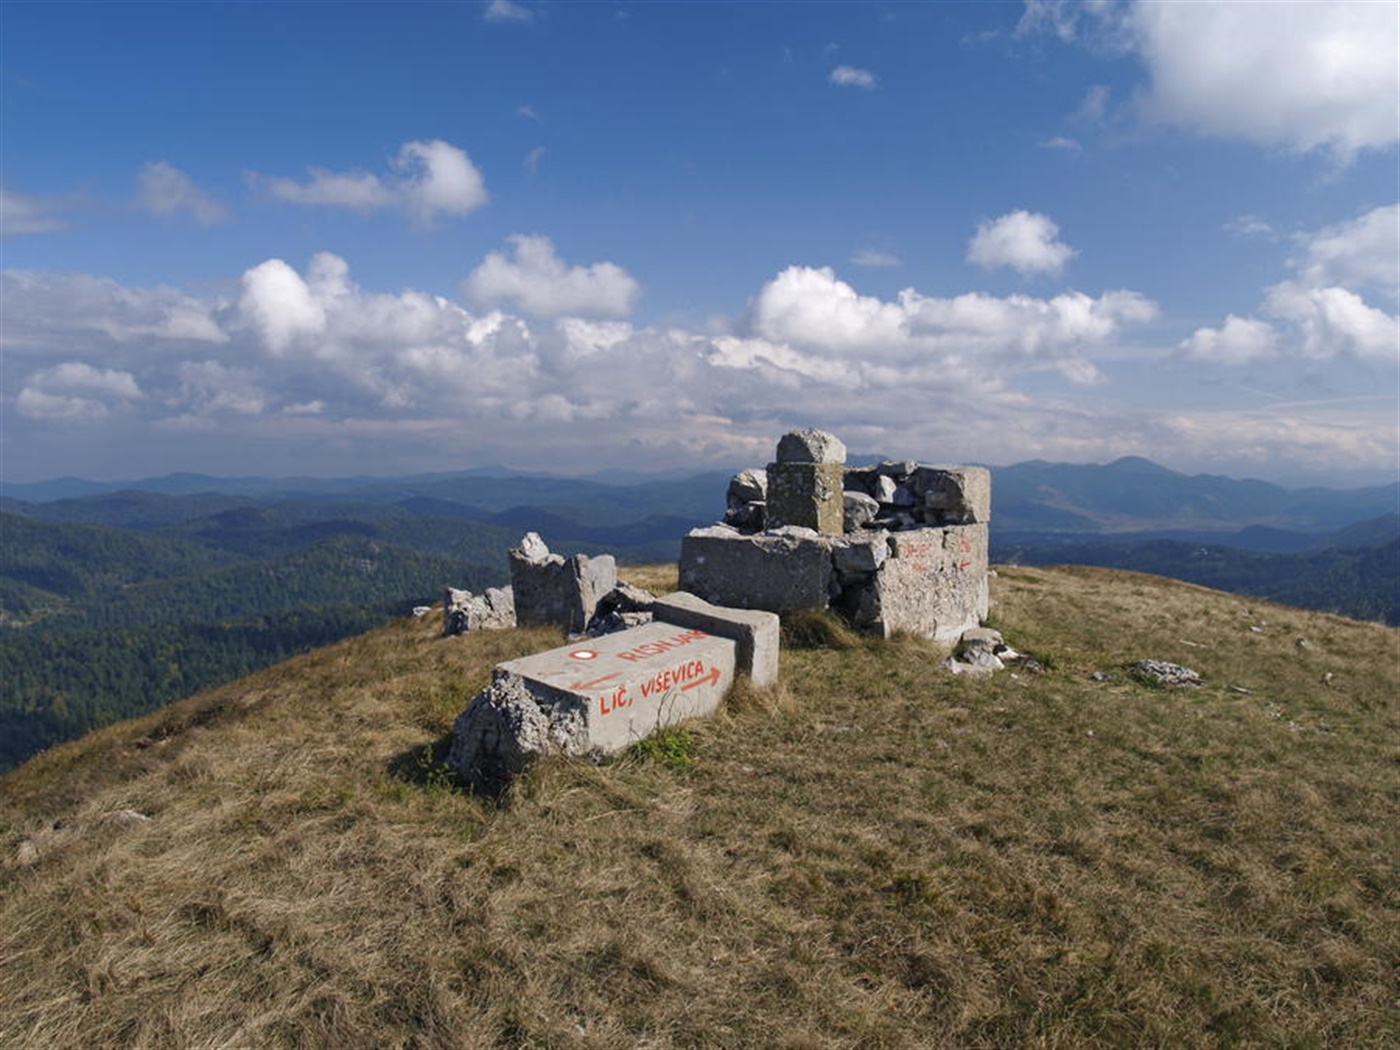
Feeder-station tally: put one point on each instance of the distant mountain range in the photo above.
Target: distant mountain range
(1128, 495)
(118, 598)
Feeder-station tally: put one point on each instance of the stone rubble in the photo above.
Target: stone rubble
(463, 611)
(895, 546)
(621, 608)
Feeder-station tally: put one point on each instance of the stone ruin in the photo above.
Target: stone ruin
(896, 546)
(546, 590)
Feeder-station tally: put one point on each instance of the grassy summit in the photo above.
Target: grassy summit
(873, 854)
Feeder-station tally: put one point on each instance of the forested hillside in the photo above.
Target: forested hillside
(103, 624)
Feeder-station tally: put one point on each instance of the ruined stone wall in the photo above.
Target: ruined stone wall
(897, 546)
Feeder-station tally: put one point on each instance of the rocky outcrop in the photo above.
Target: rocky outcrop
(551, 590)
(463, 611)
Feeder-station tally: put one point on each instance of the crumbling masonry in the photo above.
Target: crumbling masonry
(898, 546)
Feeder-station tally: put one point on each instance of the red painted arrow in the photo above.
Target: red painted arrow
(710, 678)
(579, 687)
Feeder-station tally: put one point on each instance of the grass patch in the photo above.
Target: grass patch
(872, 853)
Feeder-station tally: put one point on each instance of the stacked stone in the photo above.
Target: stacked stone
(898, 546)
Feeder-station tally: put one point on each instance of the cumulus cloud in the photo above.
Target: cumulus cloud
(813, 312)
(44, 310)
(850, 76)
(167, 191)
(1322, 306)
(536, 280)
(75, 391)
(1300, 76)
(22, 213)
(431, 180)
(1238, 341)
(1024, 241)
(315, 363)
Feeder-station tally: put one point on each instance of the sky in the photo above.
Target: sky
(335, 239)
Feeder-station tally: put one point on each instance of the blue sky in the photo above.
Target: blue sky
(362, 238)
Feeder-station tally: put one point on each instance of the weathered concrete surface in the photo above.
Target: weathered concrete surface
(554, 591)
(809, 495)
(593, 698)
(506, 727)
(933, 584)
(755, 633)
(775, 572)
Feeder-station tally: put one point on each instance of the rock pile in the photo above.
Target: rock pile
(896, 546)
(551, 590)
(463, 611)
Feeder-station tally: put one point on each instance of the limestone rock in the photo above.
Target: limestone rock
(747, 486)
(1164, 673)
(464, 611)
(621, 608)
(532, 549)
(550, 590)
(859, 509)
(811, 446)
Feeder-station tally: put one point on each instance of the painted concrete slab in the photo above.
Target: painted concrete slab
(627, 685)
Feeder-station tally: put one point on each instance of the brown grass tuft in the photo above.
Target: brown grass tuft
(872, 853)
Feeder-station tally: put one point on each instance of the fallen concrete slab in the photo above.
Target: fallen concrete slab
(756, 633)
(591, 698)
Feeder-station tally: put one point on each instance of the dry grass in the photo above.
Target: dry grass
(872, 854)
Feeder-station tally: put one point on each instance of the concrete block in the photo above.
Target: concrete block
(954, 495)
(934, 584)
(776, 573)
(756, 633)
(806, 494)
(592, 698)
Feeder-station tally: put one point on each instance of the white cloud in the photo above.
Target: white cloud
(537, 281)
(1334, 321)
(433, 179)
(1022, 240)
(812, 311)
(1250, 226)
(44, 309)
(507, 11)
(850, 76)
(1364, 253)
(348, 379)
(208, 387)
(280, 305)
(76, 392)
(874, 257)
(168, 191)
(532, 161)
(1060, 142)
(22, 213)
(1240, 340)
(1301, 76)
(1322, 304)
(1094, 108)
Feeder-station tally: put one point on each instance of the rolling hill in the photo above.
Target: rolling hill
(873, 853)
